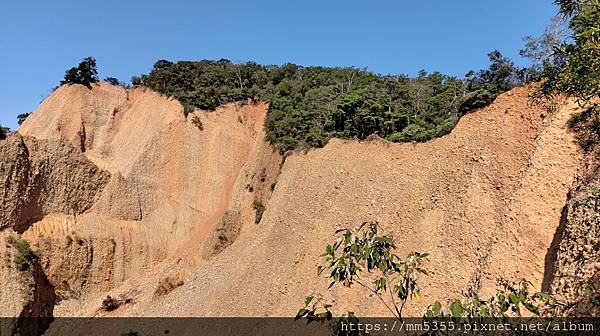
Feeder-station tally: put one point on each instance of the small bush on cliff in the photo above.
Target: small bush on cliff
(109, 303)
(85, 73)
(22, 117)
(485, 85)
(259, 209)
(3, 132)
(197, 122)
(167, 285)
(25, 256)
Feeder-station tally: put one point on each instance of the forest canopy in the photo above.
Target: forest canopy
(310, 105)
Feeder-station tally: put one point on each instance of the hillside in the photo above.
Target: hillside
(158, 196)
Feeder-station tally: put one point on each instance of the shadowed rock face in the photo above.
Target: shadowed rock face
(573, 267)
(40, 177)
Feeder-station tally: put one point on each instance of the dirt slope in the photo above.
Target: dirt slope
(177, 194)
(452, 197)
(485, 201)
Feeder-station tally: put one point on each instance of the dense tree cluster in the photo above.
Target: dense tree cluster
(85, 73)
(206, 84)
(484, 86)
(309, 105)
(576, 70)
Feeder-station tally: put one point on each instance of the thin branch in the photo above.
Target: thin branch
(380, 298)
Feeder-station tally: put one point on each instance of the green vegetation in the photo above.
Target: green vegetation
(368, 260)
(167, 285)
(109, 303)
(365, 258)
(25, 256)
(85, 74)
(508, 301)
(485, 85)
(576, 71)
(115, 81)
(21, 118)
(310, 105)
(259, 209)
(197, 122)
(3, 132)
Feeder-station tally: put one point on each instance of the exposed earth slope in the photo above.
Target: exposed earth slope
(170, 197)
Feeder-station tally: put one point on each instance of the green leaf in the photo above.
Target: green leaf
(457, 308)
(300, 314)
(544, 296)
(308, 300)
(437, 308)
(422, 270)
(535, 310)
(513, 299)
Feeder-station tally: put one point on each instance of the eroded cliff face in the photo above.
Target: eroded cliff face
(167, 199)
(113, 186)
(574, 264)
(27, 298)
(484, 201)
(40, 177)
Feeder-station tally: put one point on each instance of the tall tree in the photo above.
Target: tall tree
(85, 73)
(578, 71)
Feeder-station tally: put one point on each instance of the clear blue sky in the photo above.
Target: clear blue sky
(40, 39)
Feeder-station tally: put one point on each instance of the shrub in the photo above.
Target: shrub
(167, 285)
(85, 73)
(576, 71)
(3, 132)
(260, 209)
(25, 255)
(510, 299)
(112, 81)
(477, 99)
(197, 122)
(21, 117)
(187, 109)
(366, 258)
(110, 304)
(115, 81)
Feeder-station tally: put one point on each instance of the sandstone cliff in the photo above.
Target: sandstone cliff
(140, 195)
